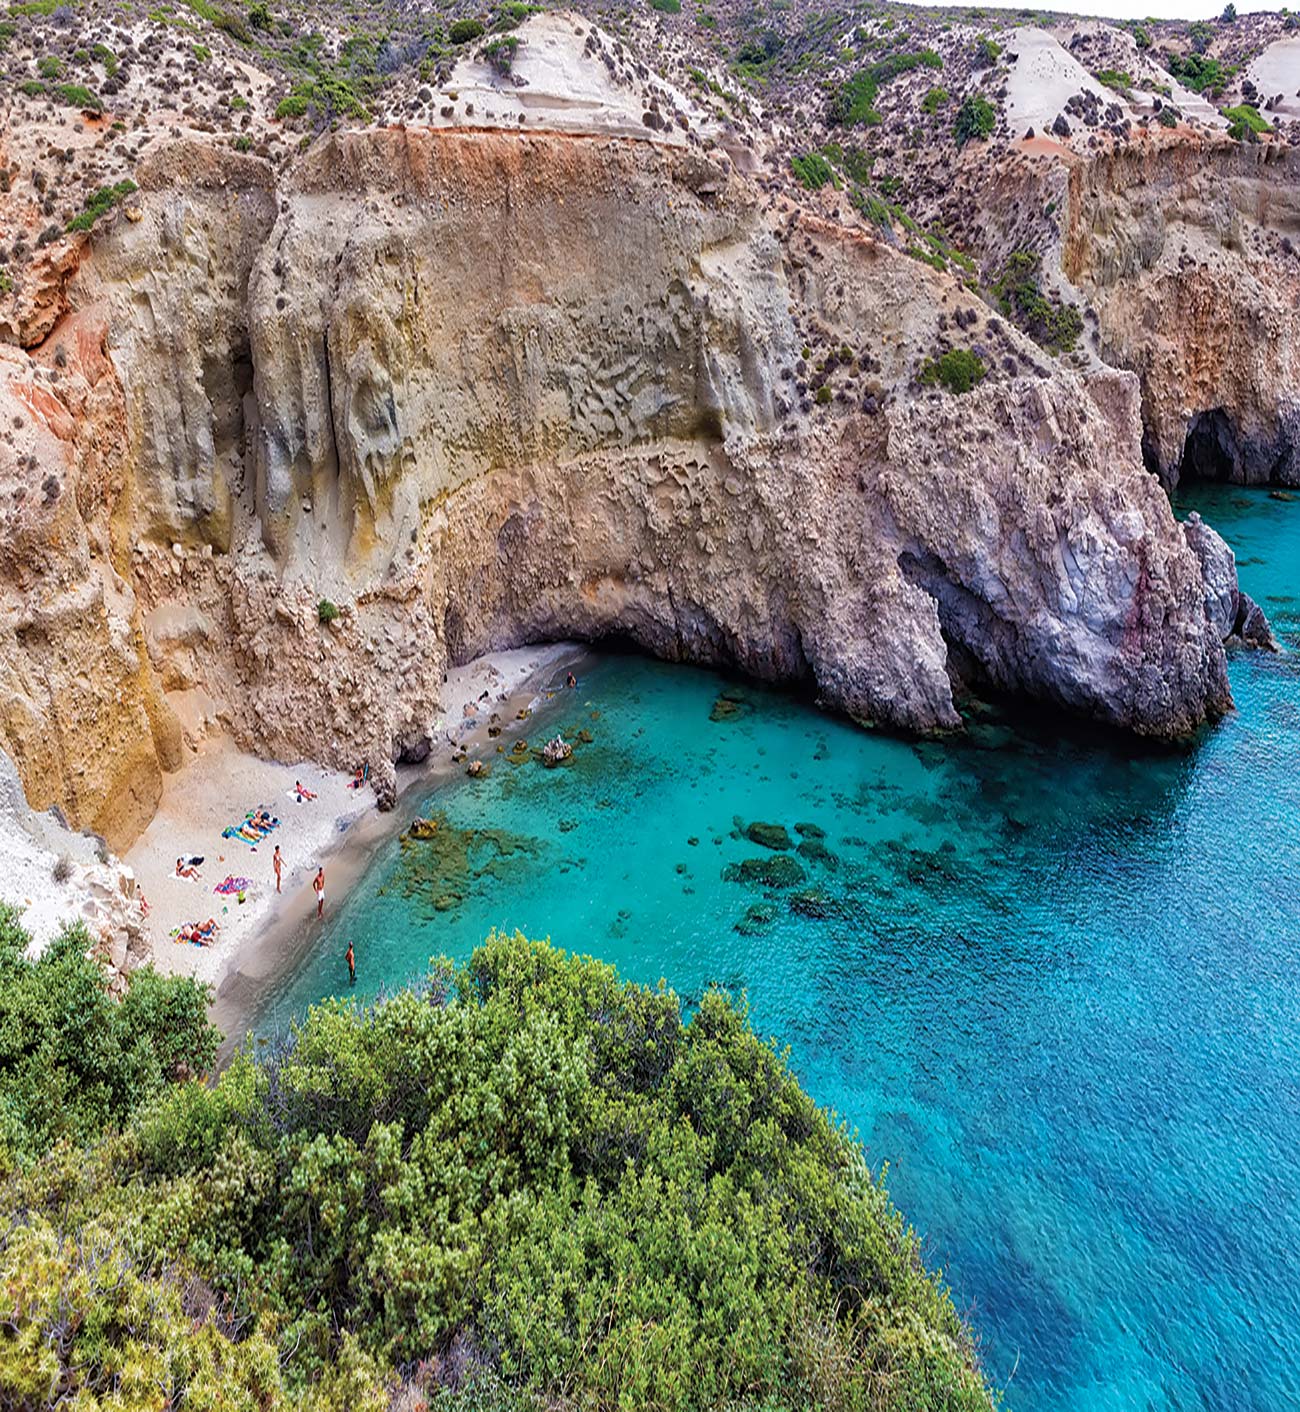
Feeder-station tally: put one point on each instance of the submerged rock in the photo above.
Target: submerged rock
(772, 836)
(757, 919)
(424, 828)
(816, 852)
(779, 870)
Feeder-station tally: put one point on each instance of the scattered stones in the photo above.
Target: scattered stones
(556, 751)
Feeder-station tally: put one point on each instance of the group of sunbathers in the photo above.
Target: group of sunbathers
(199, 933)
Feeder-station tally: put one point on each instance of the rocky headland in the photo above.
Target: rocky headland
(305, 402)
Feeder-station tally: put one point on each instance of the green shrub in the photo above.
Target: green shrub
(813, 171)
(934, 100)
(101, 203)
(959, 370)
(1049, 322)
(852, 105)
(601, 1203)
(987, 52)
(1245, 122)
(1199, 74)
(667, 7)
(326, 612)
(36, 8)
(33, 88)
(50, 67)
(76, 95)
(73, 1061)
(106, 57)
(1118, 79)
(1142, 36)
(1168, 115)
(1201, 36)
(500, 53)
(462, 31)
(976, 118)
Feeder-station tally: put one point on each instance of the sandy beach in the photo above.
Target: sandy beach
(260, 938)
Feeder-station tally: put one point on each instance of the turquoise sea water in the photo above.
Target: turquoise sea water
(1052, 979)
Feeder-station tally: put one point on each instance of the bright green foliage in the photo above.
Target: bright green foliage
(50, 67)
(76, 95)
(1118, 79)
(326, 611)
(32, 87)
(872, 207)
(1201, 36)
(1199, 74)
(987, 52)
(1049, 322)
(813, 171)
(106, 57)
(71, 1060)
(959, 370)
(35, 8)
(327, 95)
(593, 1198)
(853, 104)
(934, 100)
(1245, 122)
(1168, 116)
(667, 7)
(462, 31)
(6, 281)
(976, 118)
(1142, 36)
(101, 203)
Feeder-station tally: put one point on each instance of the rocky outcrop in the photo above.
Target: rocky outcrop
(1232, 612)
(478, 389)
(1189, 251)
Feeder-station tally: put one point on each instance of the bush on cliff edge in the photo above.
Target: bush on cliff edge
(523, 1180)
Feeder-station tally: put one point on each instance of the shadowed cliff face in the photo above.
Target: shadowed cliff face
(1190, 254)
(481, 389)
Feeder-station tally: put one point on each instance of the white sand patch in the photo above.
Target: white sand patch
(1042, 81)
(554, 85)
(1277, 71)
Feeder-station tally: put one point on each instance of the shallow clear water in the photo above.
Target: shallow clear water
(1054, 981)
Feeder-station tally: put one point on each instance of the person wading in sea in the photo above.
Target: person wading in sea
(351, 959)
(318, 886)
(277, 863)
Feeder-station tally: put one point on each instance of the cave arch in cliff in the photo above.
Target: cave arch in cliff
(1211, 449)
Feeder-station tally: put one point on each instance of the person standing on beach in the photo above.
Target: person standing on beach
(277, 863)
(318, 885)
(352, 964)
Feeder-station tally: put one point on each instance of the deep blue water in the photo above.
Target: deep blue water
(1052, 979)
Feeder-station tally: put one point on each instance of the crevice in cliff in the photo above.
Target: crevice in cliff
(329, 400)
(964, 620)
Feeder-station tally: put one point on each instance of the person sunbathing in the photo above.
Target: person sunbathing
(186, 870)
(358, 779)
(261, 820)
(301, 792)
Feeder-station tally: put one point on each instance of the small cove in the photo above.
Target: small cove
(1052, 978)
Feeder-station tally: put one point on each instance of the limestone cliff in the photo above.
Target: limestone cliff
(1188, 253)
(480, 388)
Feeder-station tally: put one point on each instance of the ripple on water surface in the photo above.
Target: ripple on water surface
(1053, 980)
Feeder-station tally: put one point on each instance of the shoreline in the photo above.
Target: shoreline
(262, 940)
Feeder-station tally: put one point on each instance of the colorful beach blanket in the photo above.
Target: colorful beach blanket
(233, 885)
(249, 832)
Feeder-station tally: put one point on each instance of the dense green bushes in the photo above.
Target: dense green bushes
(1245, 122)
(71, 1060)
(525, 1173)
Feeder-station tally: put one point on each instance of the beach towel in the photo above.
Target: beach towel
(249, 832)
(233, 885)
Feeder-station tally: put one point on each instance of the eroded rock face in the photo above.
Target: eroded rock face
(479, 390)
(1188, 253)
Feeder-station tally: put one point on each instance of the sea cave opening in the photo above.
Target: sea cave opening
(1211, 451)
